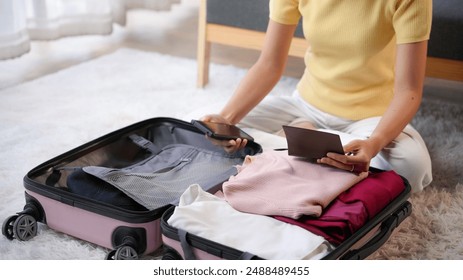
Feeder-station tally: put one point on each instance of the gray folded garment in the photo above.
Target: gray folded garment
(161, 179)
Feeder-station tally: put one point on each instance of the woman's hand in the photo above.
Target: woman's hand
(357, 157)
(230, 146)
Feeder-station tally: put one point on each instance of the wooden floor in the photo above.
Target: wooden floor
(170, 32)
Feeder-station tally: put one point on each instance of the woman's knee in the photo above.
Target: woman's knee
(410, 158)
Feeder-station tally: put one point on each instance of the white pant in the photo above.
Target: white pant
(407, 154)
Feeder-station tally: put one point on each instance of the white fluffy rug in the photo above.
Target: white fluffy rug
(46, 117)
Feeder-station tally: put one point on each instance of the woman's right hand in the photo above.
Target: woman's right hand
(230, 146)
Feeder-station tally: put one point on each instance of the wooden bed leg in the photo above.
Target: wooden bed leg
(204, 47)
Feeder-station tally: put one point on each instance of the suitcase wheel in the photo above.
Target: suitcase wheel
(170, 254)
(123, 252)
(22, 227)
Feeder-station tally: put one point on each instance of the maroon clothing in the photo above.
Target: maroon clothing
(353, 208)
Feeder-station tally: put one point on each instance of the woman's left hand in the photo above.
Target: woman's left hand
(357, 157)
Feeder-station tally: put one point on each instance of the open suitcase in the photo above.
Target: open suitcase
(58, 193)
(181, 244)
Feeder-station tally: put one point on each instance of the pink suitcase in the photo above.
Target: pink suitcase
(126, 228)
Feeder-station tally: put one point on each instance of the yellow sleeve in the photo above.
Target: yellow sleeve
(285, 11)
(412, 20)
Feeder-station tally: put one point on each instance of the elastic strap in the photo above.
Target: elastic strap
(186, 247)
(144, 143)
(246, 256)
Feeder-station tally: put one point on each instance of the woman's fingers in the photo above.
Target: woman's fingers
(338, 163)
(230, 146)
(352, 162)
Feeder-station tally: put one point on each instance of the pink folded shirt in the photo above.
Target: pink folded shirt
(274, 183)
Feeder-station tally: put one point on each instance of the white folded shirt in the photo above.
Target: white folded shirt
(210, 217)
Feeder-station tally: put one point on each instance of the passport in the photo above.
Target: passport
(311, 144)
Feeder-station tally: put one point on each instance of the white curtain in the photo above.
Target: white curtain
(24, 20)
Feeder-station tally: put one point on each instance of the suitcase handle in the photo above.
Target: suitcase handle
(386, 229)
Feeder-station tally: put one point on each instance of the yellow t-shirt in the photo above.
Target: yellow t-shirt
(352, 43)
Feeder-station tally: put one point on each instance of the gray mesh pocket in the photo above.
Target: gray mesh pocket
(164, 185)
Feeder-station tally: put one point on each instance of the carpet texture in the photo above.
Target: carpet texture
(46, 117)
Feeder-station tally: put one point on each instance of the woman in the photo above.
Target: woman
(364, 77)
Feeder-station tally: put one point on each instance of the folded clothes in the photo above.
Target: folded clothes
(274, 183)
(210, 217)
(353, 208)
